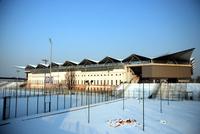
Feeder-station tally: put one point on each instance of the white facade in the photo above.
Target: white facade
(101, 79)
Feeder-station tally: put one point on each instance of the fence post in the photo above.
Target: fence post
(6, 107)
(70, 99)
(123, 95)
(168, 93)
(95, 96)
(76, 98)
(64, 100)
(81, 98)
(3, 92)
(50, 100)
(37, 103)
(27, 106)
(57, 101)
(139, 93)
(16, 106)
(88, 104)
(160, 97)
(143, 106)
(44, 103)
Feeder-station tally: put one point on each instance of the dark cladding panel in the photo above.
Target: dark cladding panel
(165, 71)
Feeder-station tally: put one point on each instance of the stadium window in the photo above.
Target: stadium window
(107, 82)
(116, 82)
(116, 74)
(104, 82)
(111, 82)
(97, 82)
(111, 74)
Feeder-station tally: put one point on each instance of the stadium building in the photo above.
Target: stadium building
(110, 72)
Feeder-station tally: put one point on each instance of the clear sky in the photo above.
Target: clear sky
(95, 29)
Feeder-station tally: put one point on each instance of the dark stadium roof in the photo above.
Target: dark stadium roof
(87, 62)
(183, 56)
(135, 57)
(69, 63)
(109, 59)
(30, 67)
(55, 64)
(41, 65)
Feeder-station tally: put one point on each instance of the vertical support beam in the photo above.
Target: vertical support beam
(143, 107)
(123, 95)
(16, 105)
(139, 93)
(57, 101)
(64, 100)
(6, 107)
(160, 97)
(88, 104)
(27, 105)
(168, 93)
(37, 103)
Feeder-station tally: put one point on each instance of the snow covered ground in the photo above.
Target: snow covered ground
(179, 117)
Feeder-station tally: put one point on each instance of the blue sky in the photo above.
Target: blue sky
(94, 29)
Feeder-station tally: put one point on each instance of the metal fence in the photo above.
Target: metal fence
(16, 103)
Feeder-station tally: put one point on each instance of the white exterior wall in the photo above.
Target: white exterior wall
(100, 78)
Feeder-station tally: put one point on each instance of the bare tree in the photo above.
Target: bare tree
(70, 78)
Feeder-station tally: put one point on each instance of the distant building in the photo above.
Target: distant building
(110, 72)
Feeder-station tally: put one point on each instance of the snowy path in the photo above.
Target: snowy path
(181, 117)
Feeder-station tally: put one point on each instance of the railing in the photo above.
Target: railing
(16, 103)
